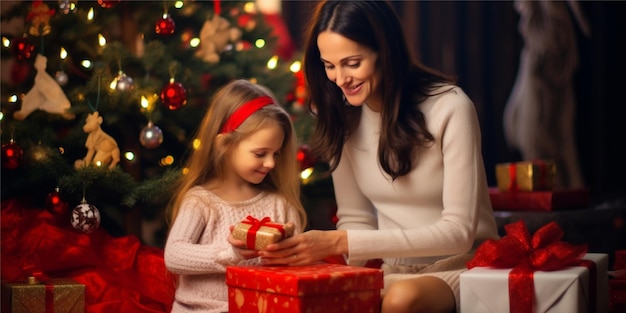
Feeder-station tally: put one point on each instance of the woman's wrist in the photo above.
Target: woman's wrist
(341, 242)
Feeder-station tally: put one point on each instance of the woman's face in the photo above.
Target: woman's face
(352, 67)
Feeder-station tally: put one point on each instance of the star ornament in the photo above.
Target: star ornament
(39, 17)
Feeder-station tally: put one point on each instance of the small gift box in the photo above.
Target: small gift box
(540, 274)
(526, 176)
(544, 200)
(259, 233)
(316, 288)
(53, 295)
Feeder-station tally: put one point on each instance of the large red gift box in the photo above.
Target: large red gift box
(547, 200)
(320, 288)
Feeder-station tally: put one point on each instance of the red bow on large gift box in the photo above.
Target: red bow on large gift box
(544, 251)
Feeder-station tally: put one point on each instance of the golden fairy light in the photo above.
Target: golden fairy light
(129, 155)
(196, 144)
(86, 63)
(144, 103)
(167, 160)
(63, 53)
(295, 67)
(249, 7)
(179, 4)
(13, 98)
(272, 63)
(6, 42)
(90, 15)
(194, 42)
(259, 43)
(101, 40)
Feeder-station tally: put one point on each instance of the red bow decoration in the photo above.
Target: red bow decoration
(543, 252)
(30, 270)
(256, 224)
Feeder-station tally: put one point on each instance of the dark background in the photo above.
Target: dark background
(479, 43)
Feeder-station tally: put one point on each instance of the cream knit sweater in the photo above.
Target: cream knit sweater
(440, 208)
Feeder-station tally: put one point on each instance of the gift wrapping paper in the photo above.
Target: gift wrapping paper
(54, 295)
(486, 289)
(526, 176)
(259, 233)
(320, 288)
(540, 200)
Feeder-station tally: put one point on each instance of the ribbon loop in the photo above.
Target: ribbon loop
(544, 251)
(256, 225)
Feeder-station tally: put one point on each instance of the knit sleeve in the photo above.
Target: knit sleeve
(190, 249)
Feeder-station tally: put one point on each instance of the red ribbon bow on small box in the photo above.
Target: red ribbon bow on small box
(256, 225)
(544, 251)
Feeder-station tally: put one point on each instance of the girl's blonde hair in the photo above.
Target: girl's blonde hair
(207, 162)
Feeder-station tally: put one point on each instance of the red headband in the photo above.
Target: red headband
(244, 111)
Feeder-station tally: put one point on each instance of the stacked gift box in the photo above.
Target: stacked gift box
(530, 186)
(617, 284)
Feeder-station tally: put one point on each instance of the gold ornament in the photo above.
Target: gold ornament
(39, 17)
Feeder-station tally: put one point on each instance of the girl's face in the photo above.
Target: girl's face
(254, 157)
(352, 67)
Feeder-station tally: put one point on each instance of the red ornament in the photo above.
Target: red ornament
(174, 95)
(165, 26)
(22, 49)
(305, 157)
(12, 155)
(107, 4)
(55, 203)
(19, 72)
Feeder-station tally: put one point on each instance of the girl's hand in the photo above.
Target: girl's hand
(239, 246)
(306, 248)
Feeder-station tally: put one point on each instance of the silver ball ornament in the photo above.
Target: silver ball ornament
(85, 217)
(61, 78)
(151, 136)
(67, 6)
(124, 82)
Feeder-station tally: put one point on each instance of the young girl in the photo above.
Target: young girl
(245, 165)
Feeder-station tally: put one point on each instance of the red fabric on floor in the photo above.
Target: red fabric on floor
(119, 273)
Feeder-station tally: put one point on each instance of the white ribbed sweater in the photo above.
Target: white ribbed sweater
(440, 208)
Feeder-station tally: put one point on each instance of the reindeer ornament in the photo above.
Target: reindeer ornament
(101, 148)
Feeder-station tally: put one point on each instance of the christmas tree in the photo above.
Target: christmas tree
(105, 97)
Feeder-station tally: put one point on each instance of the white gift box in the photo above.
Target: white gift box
(485, 289)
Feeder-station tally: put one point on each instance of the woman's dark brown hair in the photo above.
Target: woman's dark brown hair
(403, 85)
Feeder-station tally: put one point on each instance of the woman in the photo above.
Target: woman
(404, 148)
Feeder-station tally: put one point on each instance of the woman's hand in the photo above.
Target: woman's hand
(306, 248)
(239, 246)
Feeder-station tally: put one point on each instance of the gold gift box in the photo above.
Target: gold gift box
(529, 175)
(265, 235)
(66, 296)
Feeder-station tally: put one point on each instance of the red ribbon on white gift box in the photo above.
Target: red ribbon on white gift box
(544, 251)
